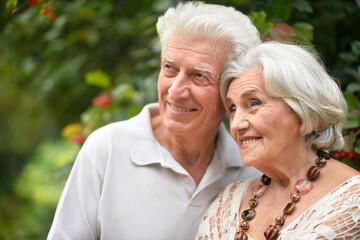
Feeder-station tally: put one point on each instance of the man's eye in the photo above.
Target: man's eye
(200, 75)
(167, 66)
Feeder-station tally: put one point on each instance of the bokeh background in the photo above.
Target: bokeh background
(69, 67)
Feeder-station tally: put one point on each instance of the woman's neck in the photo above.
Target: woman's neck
(290, 166)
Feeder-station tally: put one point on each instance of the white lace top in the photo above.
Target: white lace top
(335, 216)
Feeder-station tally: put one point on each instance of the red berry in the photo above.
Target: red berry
(336, 155)
(78, 139)
(32, 2)
(102, 101)
(47, 11)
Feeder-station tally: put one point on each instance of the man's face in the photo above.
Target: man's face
(188, 85)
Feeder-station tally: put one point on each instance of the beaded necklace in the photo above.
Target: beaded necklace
(302, 186)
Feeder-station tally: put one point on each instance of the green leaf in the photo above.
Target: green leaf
(348, 56)
(355, 46)
(353, 87)
(351, 99)
(304, 32)
(302, 6)
(351, 123)
(357, 149)
(281, 9)
(19, 5)
(259, 20)
(98, 78)
(348, 162)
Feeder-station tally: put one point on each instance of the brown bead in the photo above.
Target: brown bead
(244, 225)
(271, 232)
(265, 180)
(295, 197)
(289, 207)
(280, 221)
(313, 173)
(240, 236)
(248, 214)
(253, 203)
(323, 154)
(320, 161)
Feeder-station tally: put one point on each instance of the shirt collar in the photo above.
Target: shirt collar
(145, 149)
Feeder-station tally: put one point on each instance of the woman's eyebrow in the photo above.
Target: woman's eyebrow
(248, 92)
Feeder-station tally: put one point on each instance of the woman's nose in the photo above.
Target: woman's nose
(239, 122)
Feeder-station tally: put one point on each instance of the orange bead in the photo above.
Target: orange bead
(248, 214)
(313, 173)
(295, 197)
(240, 236)
(252, 203)
(271, 232)
(289, 208)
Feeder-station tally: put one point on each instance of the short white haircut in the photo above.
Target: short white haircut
(296, 75)
(216, 22)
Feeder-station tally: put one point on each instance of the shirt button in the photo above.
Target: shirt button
(187, 180)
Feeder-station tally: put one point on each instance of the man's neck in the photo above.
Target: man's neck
(192, 152)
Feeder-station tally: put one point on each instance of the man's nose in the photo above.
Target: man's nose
(179, 88)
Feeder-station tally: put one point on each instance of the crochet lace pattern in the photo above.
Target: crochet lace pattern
(335, 216)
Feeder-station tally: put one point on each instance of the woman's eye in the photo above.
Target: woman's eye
(254, 102)
(232, 108)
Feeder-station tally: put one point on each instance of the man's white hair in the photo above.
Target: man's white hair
(221, 24)
(297, 76)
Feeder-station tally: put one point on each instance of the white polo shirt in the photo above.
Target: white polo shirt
(125, 185)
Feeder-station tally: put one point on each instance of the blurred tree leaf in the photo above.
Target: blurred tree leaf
(351, 99)
(20, 4)
(259, 20)
(282, 32)
(302, 6)
(281, 9)
(304, 33)
(98, 78)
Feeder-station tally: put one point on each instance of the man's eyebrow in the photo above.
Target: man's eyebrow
(168, 59)
(201, 69)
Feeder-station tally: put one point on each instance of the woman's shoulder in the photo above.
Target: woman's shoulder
(235, 187)
(338, 173)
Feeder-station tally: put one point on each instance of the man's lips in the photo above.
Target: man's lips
(182, 109)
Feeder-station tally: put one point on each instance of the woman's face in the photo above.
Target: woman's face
(263, 126)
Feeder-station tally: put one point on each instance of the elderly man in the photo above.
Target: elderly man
(154, 176)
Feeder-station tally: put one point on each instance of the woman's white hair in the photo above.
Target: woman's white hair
(216, 22)
(297, 76)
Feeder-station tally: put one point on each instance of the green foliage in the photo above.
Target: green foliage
(281, 9)
(259, 20)
(38, 189)
(98, 78)
(303, 6)
(96, 62)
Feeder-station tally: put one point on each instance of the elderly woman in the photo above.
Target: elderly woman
(284, 112)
